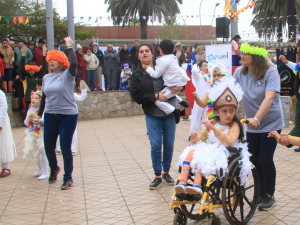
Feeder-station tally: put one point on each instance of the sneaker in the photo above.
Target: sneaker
(180, 188)
(53, 176)
(297, 149)
(43, 176)
(267, 203)
(38, 173)
(155, 183)
(67, 184)
(168, 179)
(259, 199)
(195, 190)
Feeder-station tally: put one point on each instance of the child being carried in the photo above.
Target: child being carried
(173, 75)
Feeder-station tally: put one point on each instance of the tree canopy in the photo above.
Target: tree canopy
(36, 27)
(126, 11)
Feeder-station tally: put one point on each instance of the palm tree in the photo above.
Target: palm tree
(126, 11)
(271, 15)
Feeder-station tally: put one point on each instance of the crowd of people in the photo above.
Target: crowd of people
(155, 75)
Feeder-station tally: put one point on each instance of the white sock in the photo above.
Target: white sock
(44, 165)
(5, 166)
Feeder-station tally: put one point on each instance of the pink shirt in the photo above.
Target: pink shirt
(235, 48)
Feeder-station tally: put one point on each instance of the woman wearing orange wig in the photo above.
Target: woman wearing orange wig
(31, 73)
(60, 110)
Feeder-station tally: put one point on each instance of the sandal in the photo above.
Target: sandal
(5, 173)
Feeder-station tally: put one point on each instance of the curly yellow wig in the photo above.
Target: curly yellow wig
(58, 56)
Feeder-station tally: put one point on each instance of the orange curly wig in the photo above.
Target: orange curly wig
(58, 56)
(31, 67)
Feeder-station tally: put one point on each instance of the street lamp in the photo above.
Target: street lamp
(212, 22)
(200, 19)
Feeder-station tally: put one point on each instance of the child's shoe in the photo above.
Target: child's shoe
(195, 190)
(180, 188)
(43, 176)
(38, 173)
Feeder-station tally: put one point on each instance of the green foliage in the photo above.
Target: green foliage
(174, 31)
(126, 11)
(36, 28)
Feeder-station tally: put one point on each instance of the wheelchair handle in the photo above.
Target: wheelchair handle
(244, 121)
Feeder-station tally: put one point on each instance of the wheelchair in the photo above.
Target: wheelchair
(239, 202)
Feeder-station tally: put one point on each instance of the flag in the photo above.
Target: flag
(189, 87)
(27, 20)
(14, 20)
(21, 19)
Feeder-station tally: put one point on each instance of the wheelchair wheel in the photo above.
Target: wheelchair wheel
(179, 218)
(239, 202)
(192, 212)
(214, 220)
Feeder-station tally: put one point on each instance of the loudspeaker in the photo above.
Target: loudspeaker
(222, 27)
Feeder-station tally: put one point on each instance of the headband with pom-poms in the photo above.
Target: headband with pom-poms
(39, 93)
(32, 67)
(58, 56)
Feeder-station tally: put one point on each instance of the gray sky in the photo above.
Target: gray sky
(97, 8)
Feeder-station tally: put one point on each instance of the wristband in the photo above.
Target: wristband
(157, 96)
(256, 120)
(70, 46)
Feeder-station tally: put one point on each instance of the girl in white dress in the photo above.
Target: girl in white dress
(34, 143)
(7, 145)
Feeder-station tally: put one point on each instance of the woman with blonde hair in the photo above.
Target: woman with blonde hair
(200, 54)
(60, 110)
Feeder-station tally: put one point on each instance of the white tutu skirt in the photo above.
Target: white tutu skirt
(211, 158)
(7, 145)
(34, 146)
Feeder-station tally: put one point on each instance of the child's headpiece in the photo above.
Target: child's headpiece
(126, 65)
(253, 50)
(59, 56)
(227, 93)
(219, 68)
(32, 67)
(39, 93)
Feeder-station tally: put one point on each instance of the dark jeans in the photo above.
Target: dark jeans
(161, 131)
(91, 78)
(262, 150)
(113, 78)
(7, 75)
(64, 125)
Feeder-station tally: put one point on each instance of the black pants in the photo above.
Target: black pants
(112, 79)
(27, 105)
(262, 150)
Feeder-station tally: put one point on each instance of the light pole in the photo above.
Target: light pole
(212, 22)
(70, 14)
(49, 25)
(200, 19)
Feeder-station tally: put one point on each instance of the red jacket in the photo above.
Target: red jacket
(81, 64)
(38, 56)
(1, 68)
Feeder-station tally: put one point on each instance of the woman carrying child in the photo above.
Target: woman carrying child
(208, 153)
(34, 143)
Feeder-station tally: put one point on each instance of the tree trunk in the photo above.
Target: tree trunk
(292, 20)
(143, 23)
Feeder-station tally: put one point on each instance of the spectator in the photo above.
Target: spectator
(185, 56)
(80, 68)
(124, 54)
(92, 64)
(200, 54)
(236, 54)
(31, 46)
(1, 65)
(8, 59)
(18, 51)
(134, 55)
(178, 50)
(99, 55)
(12, 45)
(111, 67)
(38, 53)
(157, 52)
(56, 47)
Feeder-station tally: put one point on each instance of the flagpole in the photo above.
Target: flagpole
(70, 13)
(49, 25)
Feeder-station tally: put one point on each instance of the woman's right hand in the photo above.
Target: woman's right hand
(162, 97)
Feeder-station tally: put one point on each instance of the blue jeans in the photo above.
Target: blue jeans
(91, 78)
(64, 125)
(161, 131)
(262, 150)
(7, 75)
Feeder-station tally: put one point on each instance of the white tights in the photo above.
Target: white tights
(43, 163)
(5, 166)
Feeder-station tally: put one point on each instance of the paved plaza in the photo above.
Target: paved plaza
(112, 172)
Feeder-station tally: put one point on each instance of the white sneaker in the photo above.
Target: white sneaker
(38, 173)
(43, 176)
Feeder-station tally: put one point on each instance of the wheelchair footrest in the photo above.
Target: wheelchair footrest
(188, 197)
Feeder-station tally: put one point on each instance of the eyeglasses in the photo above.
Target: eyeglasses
(246, 53)
(142, 51)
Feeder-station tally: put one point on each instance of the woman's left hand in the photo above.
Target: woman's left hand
(253, 124)
(175, 89)
(68, 41)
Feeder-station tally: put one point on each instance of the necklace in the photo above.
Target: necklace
(206, 77)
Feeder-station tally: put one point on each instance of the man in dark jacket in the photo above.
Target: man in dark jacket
(111, 68)
(99, 55)
(134, 56)
(125, 55)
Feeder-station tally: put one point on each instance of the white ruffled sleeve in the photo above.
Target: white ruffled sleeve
(3, 107)
(80, 98)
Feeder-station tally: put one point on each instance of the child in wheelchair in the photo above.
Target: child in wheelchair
(125, 76)
(208, 154)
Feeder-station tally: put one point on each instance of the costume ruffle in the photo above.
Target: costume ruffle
(34, 145)
(7, 145)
